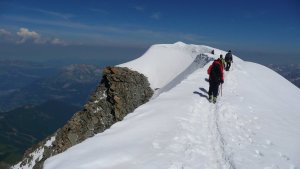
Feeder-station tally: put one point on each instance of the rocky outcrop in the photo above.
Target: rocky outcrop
(119, 93)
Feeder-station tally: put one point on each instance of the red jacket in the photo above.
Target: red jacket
(217, 75)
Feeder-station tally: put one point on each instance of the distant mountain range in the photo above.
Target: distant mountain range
(24, 126)
(35, 100)
(71, 84)
(15, 74)
(291, 72)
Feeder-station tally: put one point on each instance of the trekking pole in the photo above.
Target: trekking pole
(221, 89)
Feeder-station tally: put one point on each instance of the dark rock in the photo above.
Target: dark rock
(3, 165)
(120, 92)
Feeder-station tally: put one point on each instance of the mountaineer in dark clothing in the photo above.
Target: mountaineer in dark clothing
(216, 77)
(228, 60)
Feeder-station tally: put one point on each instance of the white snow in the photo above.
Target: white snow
(50, 141)
(254, 124)
(163, 62)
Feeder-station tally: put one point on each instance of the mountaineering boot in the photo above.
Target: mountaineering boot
(214, 99)
(210, 98)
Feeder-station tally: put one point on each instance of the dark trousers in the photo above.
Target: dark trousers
(228, 64)
(213, 88)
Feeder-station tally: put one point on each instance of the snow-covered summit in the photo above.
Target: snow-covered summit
(163, 62)
(253, 125)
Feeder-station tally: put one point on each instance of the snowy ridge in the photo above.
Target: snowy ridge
(254, 124)
(163, 62)
(200, 61)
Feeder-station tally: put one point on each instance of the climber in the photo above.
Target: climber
(228, 60)
(223, 61)
(216, 77)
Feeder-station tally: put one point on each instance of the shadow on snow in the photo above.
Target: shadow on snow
(201, 94)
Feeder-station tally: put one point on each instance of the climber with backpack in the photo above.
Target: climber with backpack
(223, 60)
(216, 77)
(228, 60)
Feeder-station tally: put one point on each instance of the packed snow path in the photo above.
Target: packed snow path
(180, 129)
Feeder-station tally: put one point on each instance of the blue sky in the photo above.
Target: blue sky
(260, 29)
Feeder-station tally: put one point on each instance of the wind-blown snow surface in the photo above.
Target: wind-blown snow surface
(254, 124)
(163, 62)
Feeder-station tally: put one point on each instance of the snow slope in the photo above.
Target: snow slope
(254, 124)
(163, 62)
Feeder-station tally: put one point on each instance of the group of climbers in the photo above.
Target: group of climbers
(216, 75)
